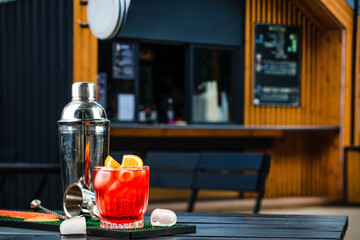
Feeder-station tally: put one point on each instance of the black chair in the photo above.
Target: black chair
(242, 172)
(172, 169)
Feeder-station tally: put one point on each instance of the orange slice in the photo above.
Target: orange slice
(110, 162)
(41, 219)
(24, 214)
(131, 161)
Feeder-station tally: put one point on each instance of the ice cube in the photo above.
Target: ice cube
(163, 217)
(115, 186)
(102, 179)
(71, 226)
(125, 175)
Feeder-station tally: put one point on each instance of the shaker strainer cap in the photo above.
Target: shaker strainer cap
(84, 91)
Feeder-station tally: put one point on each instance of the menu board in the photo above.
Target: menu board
(102, 88)
(123, 61)
(277, 65)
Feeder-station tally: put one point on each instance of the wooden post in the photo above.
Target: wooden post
(85, 47)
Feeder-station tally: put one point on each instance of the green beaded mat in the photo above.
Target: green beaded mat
(93, 228)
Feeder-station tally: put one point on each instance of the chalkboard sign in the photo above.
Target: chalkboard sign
(277, 65)
(123, 63)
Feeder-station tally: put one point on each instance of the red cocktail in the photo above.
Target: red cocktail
(122, 195)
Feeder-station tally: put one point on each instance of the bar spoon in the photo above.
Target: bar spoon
(36, 203)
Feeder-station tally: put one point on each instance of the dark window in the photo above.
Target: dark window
(214, 76)
(181, 51)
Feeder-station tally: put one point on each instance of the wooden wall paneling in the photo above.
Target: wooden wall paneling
(307, 170)
(321, 48)
(330, 72)
(353, 176)
(287, 21)
(329, 169)
(297, 110)
(339, 9)
(267, 8)
(324, 166)
(85, 51)
(268, 11)
(281, 18)
(319, 73)
(258, 18)
(335, 85)
(303, 164)
(347, 89)
(311, 14)
(315, 70)
(316, 155)
(295, 162)
(306, 96)
(330, 162)
(249, 12)
(314, 108)
(77, 38)
(333, 152)
(312, 159)
(350, 177)
(325, 169)
(249, 51)
(352, 189)
(85, 48)
(308, 70)
(306, 76)
(278, 12)
(276, 111)
(324, 77)
(357, 97)
(292, 115)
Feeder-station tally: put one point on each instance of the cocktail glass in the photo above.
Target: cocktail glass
(121, 195)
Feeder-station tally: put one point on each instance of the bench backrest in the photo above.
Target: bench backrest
(232, 171)
(172, 169)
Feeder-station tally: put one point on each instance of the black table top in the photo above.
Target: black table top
(228, 226)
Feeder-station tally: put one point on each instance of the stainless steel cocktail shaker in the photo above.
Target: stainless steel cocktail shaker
(83, 137)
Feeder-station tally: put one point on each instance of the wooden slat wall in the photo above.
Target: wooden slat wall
(357, 95)
(353, 176)
(303, 163)
(85, 48)
(320, 72)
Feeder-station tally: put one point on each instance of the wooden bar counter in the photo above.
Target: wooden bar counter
(220, 131)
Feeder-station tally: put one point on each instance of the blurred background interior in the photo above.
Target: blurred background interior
(273, 76)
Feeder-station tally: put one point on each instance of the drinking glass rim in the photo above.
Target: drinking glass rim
(145, 167)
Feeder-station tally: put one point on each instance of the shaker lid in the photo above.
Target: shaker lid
(83, 91)
(83, 105)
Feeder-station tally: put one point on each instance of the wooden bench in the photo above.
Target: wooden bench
(172, 170)
(243, 172)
